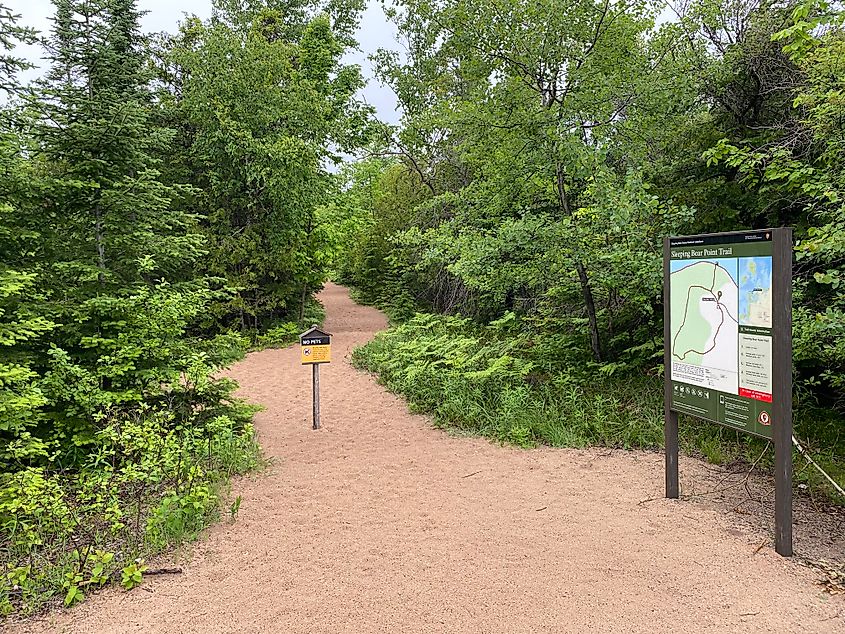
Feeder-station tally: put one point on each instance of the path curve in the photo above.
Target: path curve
(374, 524)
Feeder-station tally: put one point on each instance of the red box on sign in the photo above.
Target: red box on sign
(757, 396)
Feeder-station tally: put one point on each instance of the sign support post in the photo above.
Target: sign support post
(315, 376)
(670, 423)
(727, 354)
(782, 383)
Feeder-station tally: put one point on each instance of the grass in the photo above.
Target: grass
(480, 381)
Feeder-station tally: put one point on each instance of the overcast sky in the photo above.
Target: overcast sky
(163, 15)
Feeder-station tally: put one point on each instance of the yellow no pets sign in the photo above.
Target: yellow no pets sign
(315, 346)
(316, 354)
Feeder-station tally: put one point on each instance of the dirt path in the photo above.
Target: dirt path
(375, 524)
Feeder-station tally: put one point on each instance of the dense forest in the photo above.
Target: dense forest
(160, 214)
(170, 201)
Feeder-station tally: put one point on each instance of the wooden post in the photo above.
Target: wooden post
(670, 436)
(315, 373)
(782, 387)
(670, 418)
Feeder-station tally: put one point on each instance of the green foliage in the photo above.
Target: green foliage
(499, 382)
(132, 575)
(265, 104)
(538, 168)
(490, 382)
(20, 396)
(153, 480)
(115, 434)
(285, 333)
(234, 507)
(165, 205)
(800, 165)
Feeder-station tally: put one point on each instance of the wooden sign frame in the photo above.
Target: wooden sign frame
(780, 419)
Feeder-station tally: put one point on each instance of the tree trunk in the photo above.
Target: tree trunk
(586, 289)
(302, 303)
(590, 303)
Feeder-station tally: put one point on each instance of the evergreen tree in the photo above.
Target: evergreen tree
(20, 396)
(112, 239)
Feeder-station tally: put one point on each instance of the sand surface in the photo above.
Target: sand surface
(380, 523)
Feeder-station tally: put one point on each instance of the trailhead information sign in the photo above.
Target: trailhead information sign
(727, 351)
(721, 329)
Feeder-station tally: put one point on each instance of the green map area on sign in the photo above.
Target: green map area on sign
(704, 313)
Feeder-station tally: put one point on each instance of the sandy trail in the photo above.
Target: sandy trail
(373, 524)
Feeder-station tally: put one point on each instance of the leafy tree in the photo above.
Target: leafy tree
(796, 167)
(558, 145)
(522, 124)
(267, 104)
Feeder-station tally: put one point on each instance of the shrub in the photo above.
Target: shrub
(154, 478)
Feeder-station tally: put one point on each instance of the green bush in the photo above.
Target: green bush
(129, 441)
(152, 481)
(485, 381)
(284, 333)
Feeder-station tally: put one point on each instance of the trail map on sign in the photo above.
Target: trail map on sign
(704, 322)
(720, 327)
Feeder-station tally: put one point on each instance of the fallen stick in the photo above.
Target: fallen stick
(163, 571)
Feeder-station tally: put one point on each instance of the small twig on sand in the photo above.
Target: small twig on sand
(742, 483)
(641, 502)
(760, 547)
(469, 475)
(542, 508)
(163, 571)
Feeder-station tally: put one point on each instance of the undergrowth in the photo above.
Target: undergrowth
(156, 478)
(284, 333)
(493, 382)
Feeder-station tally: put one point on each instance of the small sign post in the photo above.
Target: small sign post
(728, 346)
(315, 348)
